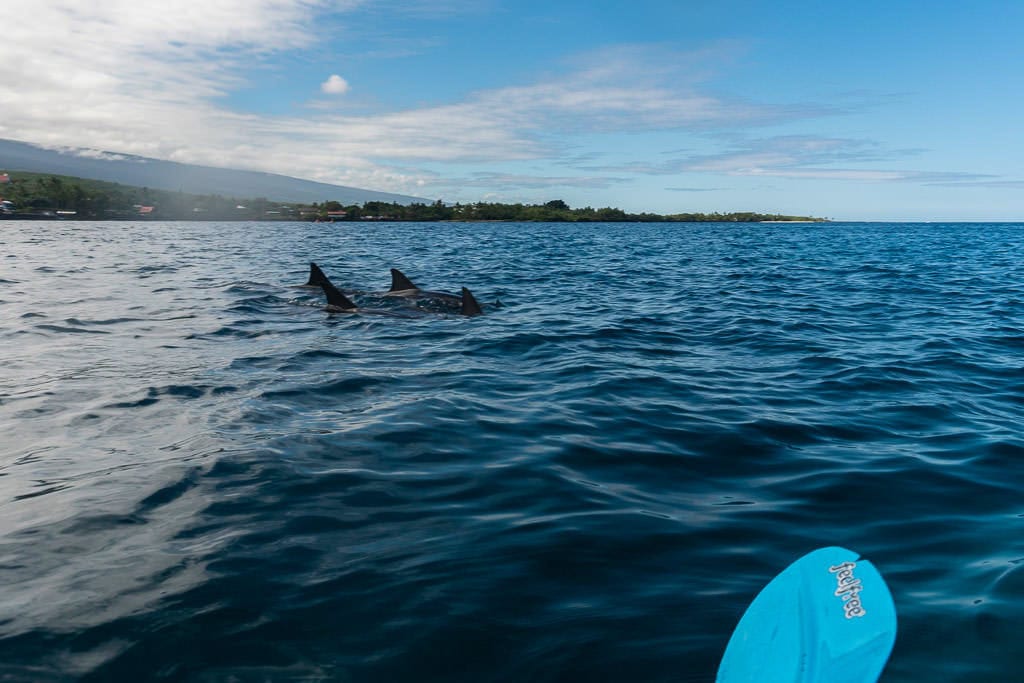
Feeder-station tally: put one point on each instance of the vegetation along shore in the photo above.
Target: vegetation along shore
(41, 196)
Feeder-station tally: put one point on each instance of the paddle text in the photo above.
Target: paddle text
(848, 587)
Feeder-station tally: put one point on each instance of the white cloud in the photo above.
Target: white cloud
(816, 158)
(511, 181)
(694, 189)
(800, 157)
(144, 78)
(97, 154)
(335, 85)
(971, 182)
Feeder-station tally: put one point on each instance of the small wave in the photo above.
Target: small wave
(111, 321)
(155, 394)
(74, 330)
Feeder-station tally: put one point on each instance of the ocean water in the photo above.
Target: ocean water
(204, 476)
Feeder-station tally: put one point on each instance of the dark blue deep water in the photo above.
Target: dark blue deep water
(206, 477)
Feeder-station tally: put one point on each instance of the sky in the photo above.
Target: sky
(895, 110)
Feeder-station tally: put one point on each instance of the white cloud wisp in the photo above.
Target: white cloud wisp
(148, 79)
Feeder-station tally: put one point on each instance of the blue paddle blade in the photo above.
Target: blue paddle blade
(827, 618)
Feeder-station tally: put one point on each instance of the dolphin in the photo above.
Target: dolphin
(402, 286)
(316, 276)
(469, 306)
(337, 302)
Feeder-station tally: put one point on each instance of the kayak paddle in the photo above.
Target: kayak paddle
(827, 618)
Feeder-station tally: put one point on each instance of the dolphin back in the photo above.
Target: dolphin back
(316, 276)
(470, 306)
(399, 282)
(335, 298)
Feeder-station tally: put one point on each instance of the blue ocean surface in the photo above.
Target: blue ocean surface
(205, 476)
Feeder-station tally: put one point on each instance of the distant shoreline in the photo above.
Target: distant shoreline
(41, 196)
(35, 218)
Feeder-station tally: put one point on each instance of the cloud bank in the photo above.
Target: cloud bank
(150, 79)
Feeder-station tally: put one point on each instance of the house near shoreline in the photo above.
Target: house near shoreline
(5, 206)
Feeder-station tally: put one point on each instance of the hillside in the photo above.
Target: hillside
(44, 195)
(174, 177)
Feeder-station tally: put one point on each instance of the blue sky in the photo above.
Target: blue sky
(862, 111)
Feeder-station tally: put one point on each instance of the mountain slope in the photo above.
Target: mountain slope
(173, 176)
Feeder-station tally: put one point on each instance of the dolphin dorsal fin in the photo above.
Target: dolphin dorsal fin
(399, 282)
(469, 304)
(316, 276)
(334, 296)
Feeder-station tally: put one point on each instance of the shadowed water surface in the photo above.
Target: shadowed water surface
(205, 477)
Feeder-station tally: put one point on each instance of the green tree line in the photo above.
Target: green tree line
(553, 211)
(36, 193)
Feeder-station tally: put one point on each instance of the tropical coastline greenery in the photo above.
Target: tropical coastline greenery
(39, 195)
